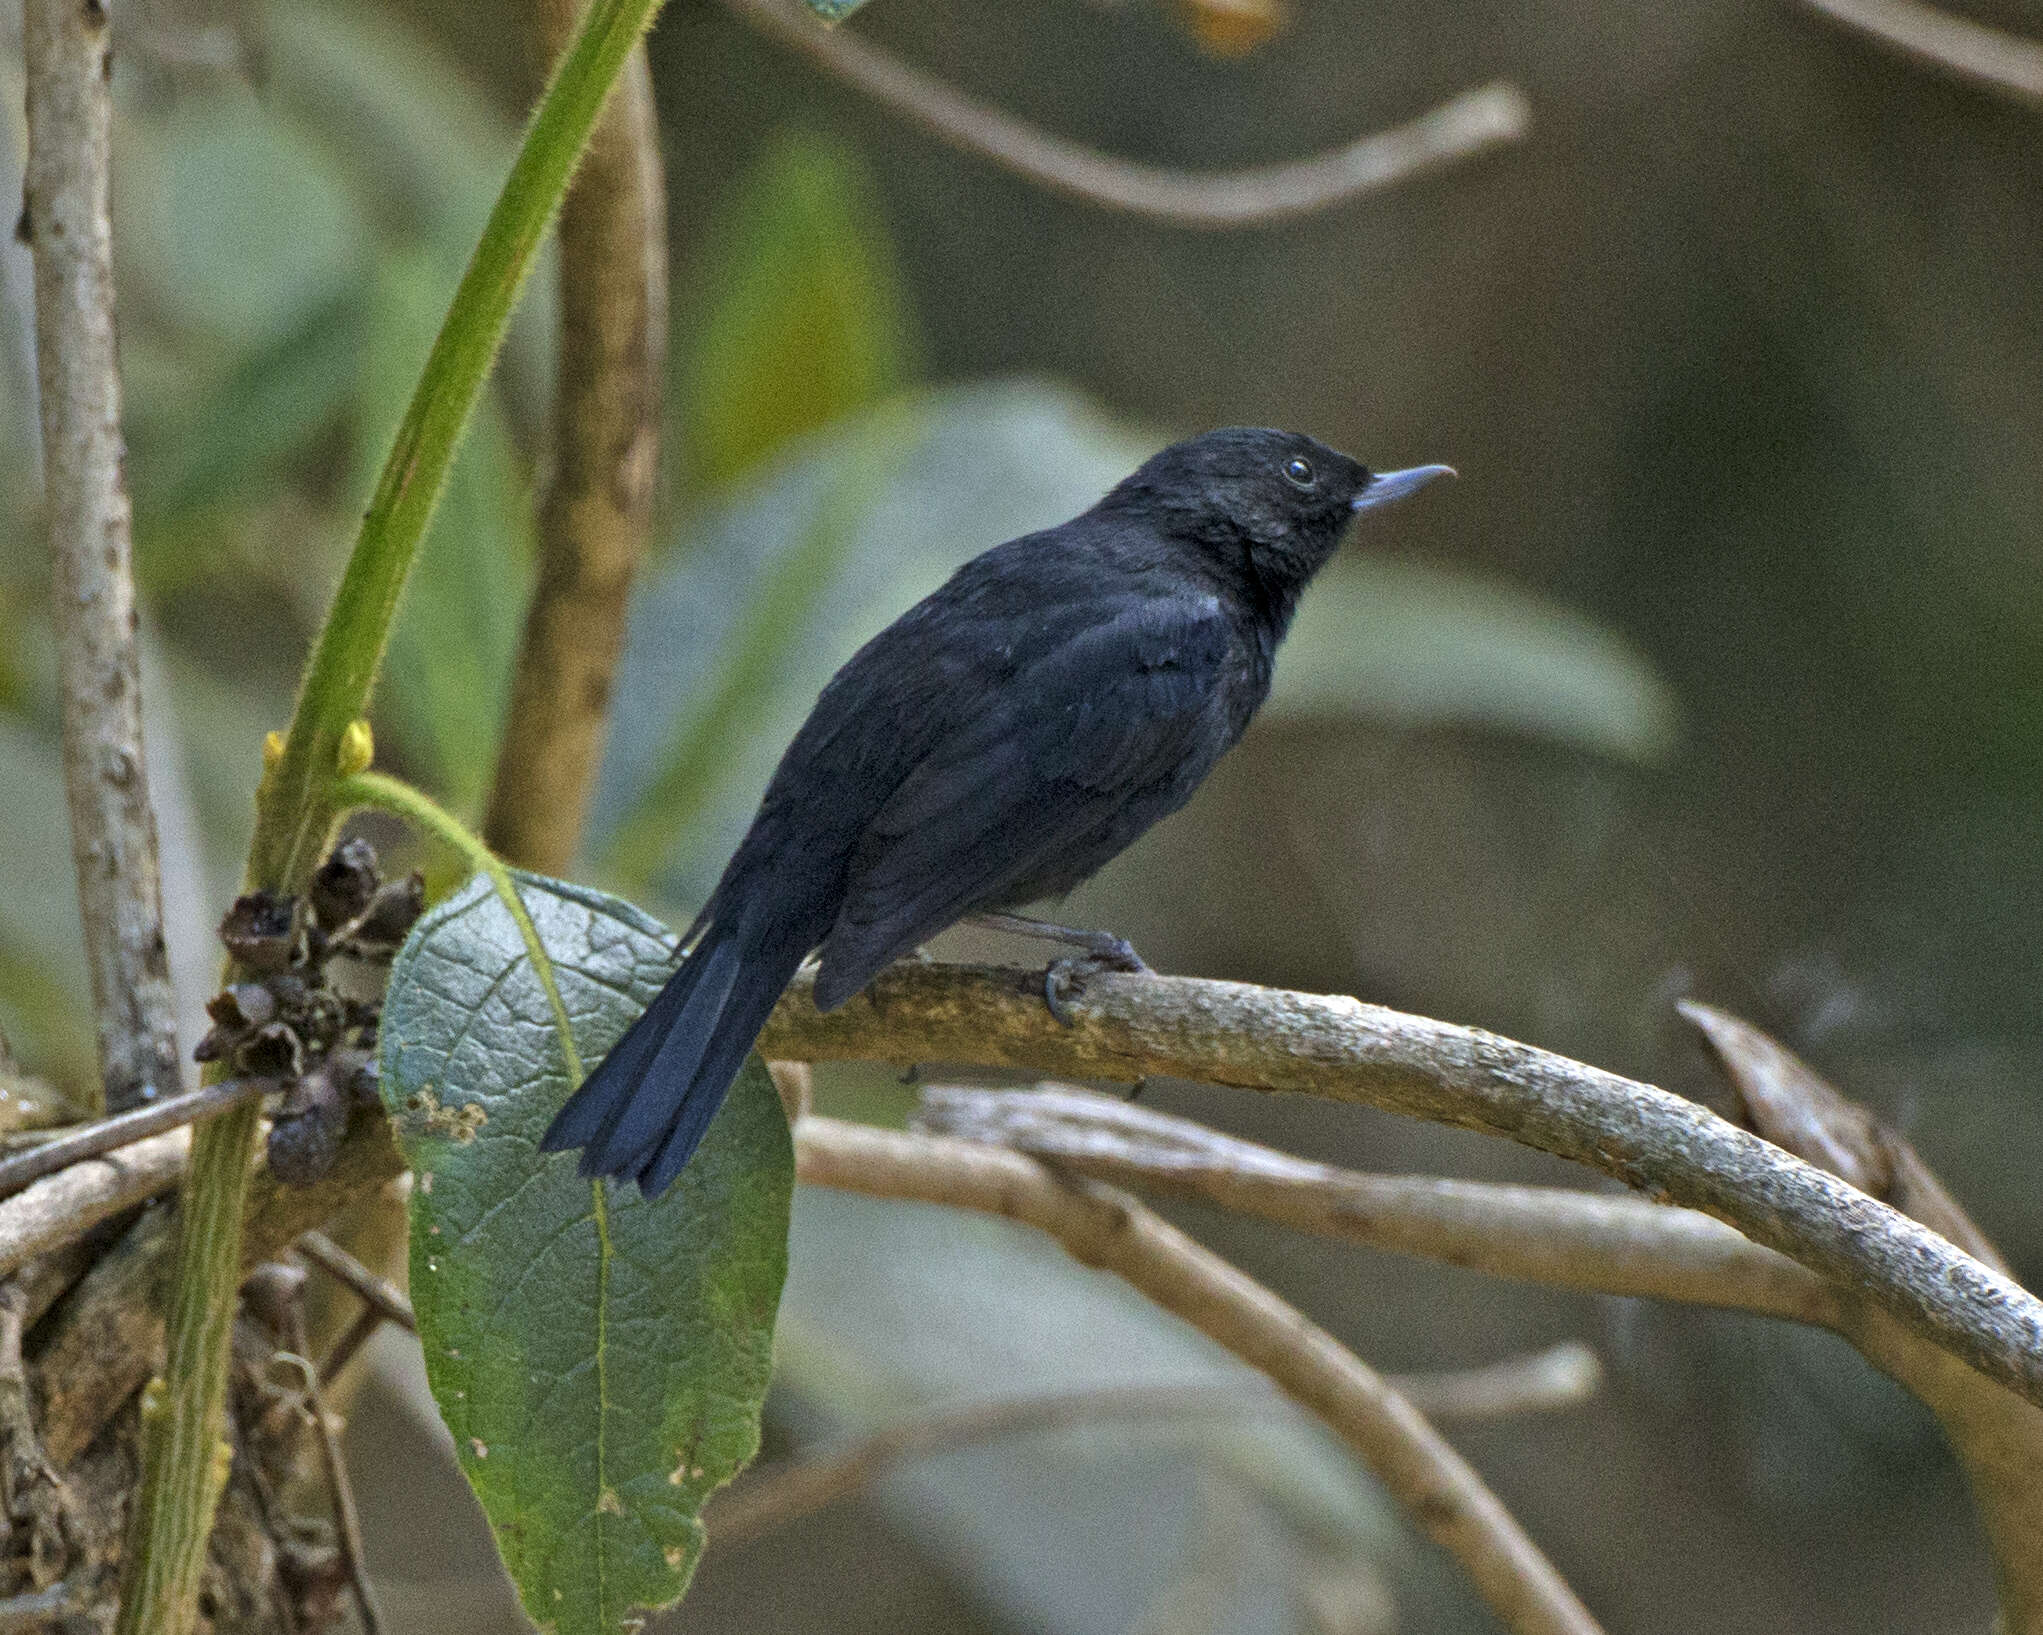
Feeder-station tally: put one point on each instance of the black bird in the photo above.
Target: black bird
(993, 746)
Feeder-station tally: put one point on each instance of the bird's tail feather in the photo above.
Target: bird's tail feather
(643, 1111)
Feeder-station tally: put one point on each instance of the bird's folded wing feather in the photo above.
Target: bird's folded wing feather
(1102, 720)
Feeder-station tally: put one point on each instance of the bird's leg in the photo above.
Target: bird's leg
(1102, 951)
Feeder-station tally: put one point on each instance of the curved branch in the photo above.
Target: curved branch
(1132, 1027)
(1983, 56)
(1551, 1235)
(1489, 116)
(1101, 1227)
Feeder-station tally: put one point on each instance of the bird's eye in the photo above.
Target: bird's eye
(1299, 472)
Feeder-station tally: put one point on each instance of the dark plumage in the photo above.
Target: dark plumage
(993, 746)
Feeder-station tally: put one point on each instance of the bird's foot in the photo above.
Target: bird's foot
(1065, 978)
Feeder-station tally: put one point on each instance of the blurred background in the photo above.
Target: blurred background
(1718, 674)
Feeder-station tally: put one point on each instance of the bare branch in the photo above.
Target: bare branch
(379, 1294)
(777, 1495)
(1997, 1436)
(122, 1129)
(61, 1208)
(67, 57)
(1562, 1376)
(1101, 1227)
(1550, 1235)
(1490, 116)
(598, 515)
(1983, 56)
(1132, 1027)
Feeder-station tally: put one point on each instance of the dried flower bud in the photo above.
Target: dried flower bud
(344, 884)
(262, 931)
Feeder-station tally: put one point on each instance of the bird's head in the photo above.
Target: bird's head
(1272, 503)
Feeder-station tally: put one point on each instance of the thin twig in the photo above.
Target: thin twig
(381, 1295)
(1562, 1376)
(777, 1495)
(597, 518)
(1129, 1027)
(1983, 56)
(123, 1129)
(1552, 1235)
(352, 1338)
(286, 1293)
(780, 1494)
(1107, 1229)
(1476, 120)
(66, 54)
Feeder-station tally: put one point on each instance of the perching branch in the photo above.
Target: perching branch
(105, 1135)
(1132, 1027)
(66, 56)
(1551, 1235)
(1983, 56)
(1104, 1228)
(1489, 116)
(597, 517)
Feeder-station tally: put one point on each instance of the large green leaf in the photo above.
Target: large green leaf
(599, 1359)
(804, 316)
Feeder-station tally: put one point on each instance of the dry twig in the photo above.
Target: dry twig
(67, 56)
(379, 1294)
(1105, 1228)
(1551, 1235)
(597, 517)
(1132, 1027)
(1971, 51)
(123, 1129)
(1486, 117)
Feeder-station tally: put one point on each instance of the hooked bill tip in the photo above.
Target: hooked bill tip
(1387, 486)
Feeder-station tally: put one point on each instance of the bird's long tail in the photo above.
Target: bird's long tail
(643, 1111)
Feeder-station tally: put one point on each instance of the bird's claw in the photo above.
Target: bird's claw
(1107, 953)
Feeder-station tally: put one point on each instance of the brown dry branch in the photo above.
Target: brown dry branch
(1131, 1027)
(598, 513)
(105, 1135)
(1104, 1228)
(1552, 1235)
(1489, 116)
(776, 1495)
(67, 61)
(1980, 55)
(1997, 1436)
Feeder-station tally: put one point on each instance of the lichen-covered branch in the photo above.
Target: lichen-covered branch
(598, 513)
(1102, 1227)
(1132, 1027)
(66, 56)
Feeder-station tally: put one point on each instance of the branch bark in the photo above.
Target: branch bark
(1102, 1227)
(1983, 56)
(1127, 1028)
(67, 58)
(1997, 1436)
(1550, 1235)
(1489, 116)
(597, 517)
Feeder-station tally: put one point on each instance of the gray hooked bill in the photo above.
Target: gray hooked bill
(1386, 486)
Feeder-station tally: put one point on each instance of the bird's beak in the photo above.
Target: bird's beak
(1386, 486)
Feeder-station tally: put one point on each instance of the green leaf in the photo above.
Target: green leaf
(599, 1359)
(805, 319)
(448, 668)
(1398, 641)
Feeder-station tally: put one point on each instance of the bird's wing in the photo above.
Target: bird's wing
(1045, 762)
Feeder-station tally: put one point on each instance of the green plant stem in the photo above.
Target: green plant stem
(297, 802)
